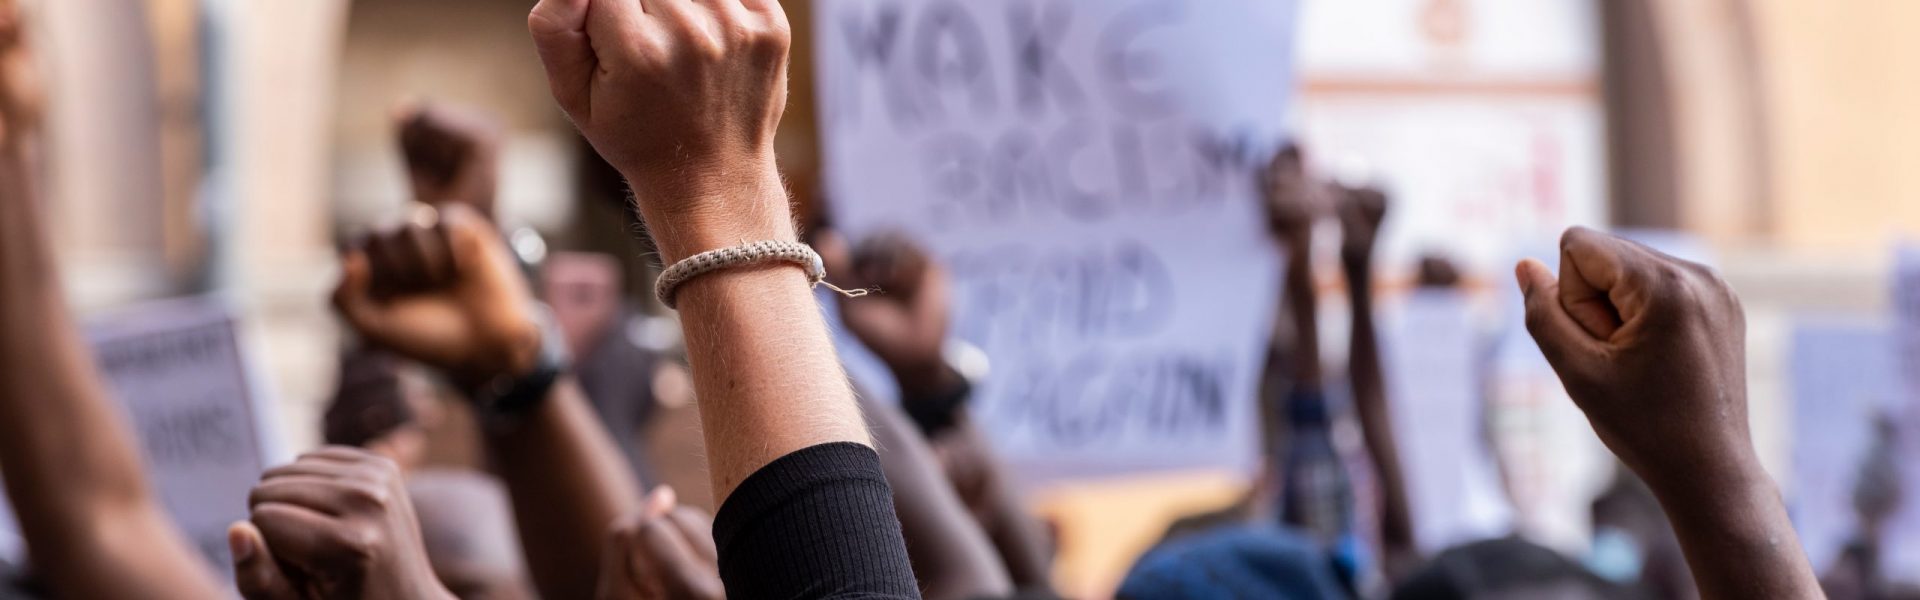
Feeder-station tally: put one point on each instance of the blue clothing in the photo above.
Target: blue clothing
(1238, 562)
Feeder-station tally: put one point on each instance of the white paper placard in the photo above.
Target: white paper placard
(1085, 168)
(177, 368)
(1844, 374)
(1436, 367)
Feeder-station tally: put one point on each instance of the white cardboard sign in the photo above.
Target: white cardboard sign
(1085, 168)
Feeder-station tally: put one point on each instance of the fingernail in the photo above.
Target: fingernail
(240, 544)
(1526, 283)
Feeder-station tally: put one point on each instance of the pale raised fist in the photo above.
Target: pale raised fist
(1652, 348)
(443, 291)
(660, 87)
(662, 551)
(337, 523)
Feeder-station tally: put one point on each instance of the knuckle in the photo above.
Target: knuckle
(370, 496)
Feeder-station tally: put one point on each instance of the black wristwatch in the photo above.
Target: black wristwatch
(940, 410)
(505, 398)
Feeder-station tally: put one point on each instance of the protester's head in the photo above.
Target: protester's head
(381, 405)
(584, 292)
(1236, 562)
(467, 524)
(1437, 272)
(1503, 569)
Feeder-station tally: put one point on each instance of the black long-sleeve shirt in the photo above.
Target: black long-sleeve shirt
(817, 523)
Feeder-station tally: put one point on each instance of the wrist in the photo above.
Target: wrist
(724, 204)
(925, 378)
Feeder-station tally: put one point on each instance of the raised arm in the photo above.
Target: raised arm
(683, 98)
(448, 294)
(960, 492)
(1292, 202)
(1653, 350)
(1361, 212)
(92, 523)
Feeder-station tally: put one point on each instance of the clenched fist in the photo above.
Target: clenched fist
(445, 293)
(1651, 347)
(682, 96)
(661, 552)
(334, 524)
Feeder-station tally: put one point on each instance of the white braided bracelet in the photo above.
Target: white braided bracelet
(756, 253)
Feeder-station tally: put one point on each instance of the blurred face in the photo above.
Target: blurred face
(584, 292)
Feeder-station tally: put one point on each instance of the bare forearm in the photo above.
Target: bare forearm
(72, 470)
(1735, 532)
(952, 556)
(1370, 401)
(765, 372)
(563, 513)
(1301, 307)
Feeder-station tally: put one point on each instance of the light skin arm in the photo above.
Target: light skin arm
(449, 295)
(1653, 350)
(683, 98)
(1361, 211)
(73, 472)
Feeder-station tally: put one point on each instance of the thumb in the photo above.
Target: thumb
(353, 297)
(559, 29)
(1561, 339)
(254, 569)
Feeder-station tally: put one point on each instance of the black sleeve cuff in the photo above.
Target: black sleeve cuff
(817, 523)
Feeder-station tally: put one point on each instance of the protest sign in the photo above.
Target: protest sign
(1435, 368)
(1086, 170)
(178, 368)
(1844, 378)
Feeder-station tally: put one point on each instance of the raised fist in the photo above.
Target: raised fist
(444, 292)
(336, 523)
(661, 552)
(1652, 348)
(21, 99)
(904, 322)
(662, 86)
(453, 155)
(1293, 198)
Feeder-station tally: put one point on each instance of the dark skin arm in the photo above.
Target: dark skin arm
(1361, 211)
(1653, 350)
(450, 296)
(1292, 202)
(91, 520)
(953, 555)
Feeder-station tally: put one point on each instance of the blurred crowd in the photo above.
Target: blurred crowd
(812, 490)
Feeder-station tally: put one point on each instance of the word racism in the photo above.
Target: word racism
(1088, 121)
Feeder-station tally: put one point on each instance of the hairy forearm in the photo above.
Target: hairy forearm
(1370, 401)
(72, 470)
(1734, 529)
(563, 513)
(764, 369)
